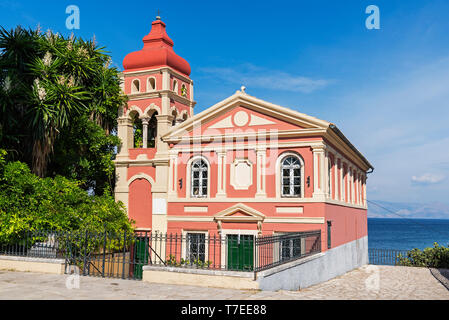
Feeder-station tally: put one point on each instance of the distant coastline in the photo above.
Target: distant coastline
(402, 210)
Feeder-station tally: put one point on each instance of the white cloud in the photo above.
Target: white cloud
(428, 178)
(256, 77)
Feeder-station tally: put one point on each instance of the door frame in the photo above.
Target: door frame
(224, 249)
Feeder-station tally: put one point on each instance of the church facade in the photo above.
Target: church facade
(243, 166)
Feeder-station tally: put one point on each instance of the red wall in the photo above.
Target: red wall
(140, 203)
(348, 224)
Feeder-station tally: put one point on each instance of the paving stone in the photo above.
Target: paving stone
(366, 283)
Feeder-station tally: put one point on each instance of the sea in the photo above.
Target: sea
(407, 234)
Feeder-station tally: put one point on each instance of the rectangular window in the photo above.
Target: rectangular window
(329, 234)
(290, 249)
(290, 246)
(196, 247)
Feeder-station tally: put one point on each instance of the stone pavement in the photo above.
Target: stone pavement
(369, 282)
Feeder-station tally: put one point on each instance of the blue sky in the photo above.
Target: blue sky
(387, 89)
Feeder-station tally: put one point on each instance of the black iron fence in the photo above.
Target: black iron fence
(386, 256)
(276, 250)
(34, 244)
(107, 254)
(234, 252)
(122, 255)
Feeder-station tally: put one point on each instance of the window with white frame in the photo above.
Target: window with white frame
(196, 247)
(290, 246)
(135, 86)
(199, 179)
(151, 86)
(183, 90)
(291, 177)
(175, 86)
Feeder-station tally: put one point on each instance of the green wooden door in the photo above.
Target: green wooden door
(141, 256)
(241, 252)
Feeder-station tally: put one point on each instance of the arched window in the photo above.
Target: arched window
(199, 179)
(151, 86)
(135, 86)
(175, 115)
(175, 86)
(291, 177)
(137, 130)
(152, 131)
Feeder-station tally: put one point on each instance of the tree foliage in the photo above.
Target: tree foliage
(59, 101)
(28, 202)
(436, 257)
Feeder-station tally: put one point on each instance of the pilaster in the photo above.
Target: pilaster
(221, 188)
(261, 155)
(319, 173)
(125, 133)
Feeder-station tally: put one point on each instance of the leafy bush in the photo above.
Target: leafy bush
(436, 257)
(28, 202)
(173, 262)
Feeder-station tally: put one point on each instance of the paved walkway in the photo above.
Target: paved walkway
(369, 282)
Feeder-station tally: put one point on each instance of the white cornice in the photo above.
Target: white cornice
(298, 133)
(221, 148)
(289, 220)
(159, 94)
(160, 70)
(207, 201)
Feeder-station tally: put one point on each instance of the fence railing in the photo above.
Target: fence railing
(107, 254)
(273, 251)
(386, 256)
(234, 252)
(34, 244)
(121, 255)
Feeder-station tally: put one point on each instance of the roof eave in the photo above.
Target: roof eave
(340, 134)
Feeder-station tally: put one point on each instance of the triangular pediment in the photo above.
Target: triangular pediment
(242, 112)
(239, 212)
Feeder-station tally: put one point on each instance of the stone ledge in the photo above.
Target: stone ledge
(289, 265)
(33, 259)
(237, 274)
(37, 265)
(442, 275)
(179, 276)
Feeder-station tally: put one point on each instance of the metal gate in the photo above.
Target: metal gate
(110, 255)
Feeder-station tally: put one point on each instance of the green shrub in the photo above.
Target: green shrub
(436, 257)
(29, 203)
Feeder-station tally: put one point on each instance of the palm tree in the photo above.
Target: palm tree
(47, 82)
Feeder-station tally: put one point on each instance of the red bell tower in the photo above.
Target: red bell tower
(160, 91)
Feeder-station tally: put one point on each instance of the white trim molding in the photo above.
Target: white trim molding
(297, 210)
(190, 209)
(141, 176)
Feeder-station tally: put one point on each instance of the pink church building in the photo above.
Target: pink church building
(243, 167)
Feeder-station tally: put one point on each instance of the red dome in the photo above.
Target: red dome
(157, 52)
